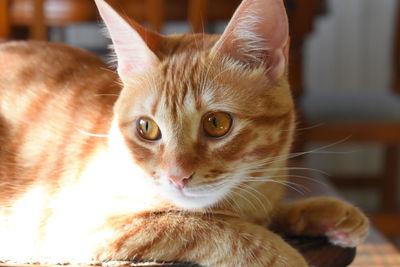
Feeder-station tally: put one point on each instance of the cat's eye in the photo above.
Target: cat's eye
(217, 124)
(148, 129)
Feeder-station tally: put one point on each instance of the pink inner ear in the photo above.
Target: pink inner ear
(133, 54)
(258, 31)
(127, 68)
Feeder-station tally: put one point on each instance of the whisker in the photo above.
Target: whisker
(337, 152)
(243, 197)
(288, 169)
(294, 176)
(306, 128)
(289, 184)
(247, 188)
(209, 188)
(308, 178)
(230, 198)
(92, 134)
(297, 154)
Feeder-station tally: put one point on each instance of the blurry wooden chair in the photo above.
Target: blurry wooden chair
(387, 133)
(4, 20)
(38, 15)
(389, 221)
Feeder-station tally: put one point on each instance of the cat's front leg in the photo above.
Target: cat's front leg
(343, 224)
(208, 240)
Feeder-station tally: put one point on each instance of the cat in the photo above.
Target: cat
(179, 155)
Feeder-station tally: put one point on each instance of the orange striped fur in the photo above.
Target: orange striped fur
(79, 184)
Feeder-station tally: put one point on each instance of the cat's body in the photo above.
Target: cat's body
(79, 183)
(48, 93)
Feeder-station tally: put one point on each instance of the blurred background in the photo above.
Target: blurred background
(344, 71)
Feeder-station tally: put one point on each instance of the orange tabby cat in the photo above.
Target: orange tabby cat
(186, 162)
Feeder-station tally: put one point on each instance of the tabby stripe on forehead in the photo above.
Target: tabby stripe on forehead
(192, 83)
(184, 93)
(155, 105)
(170, 91)
(174, 76)
(197, 99)
(174, 111)
(166, 94)
(176, 89)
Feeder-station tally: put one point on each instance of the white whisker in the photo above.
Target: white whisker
(231, 199)
(243, 197)
(280, 158)
(295, 186)
(288, 176)
(247, 188)
(307, 178)
(92, 134)
(266, 169)
(308, 128)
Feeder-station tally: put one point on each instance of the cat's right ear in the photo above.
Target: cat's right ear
(133, 44)
(258, 33)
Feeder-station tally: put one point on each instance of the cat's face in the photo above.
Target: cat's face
(203, 117)
(201, 127)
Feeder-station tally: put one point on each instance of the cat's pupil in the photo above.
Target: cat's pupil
(215, 122)
(147, 126)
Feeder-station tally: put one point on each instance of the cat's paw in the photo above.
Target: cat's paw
(349, 229)
(343, 224)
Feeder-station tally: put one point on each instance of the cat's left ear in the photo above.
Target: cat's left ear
(133, 44)
(258, 33)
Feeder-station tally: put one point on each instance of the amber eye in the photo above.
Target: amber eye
(148, 129)
(217, 124)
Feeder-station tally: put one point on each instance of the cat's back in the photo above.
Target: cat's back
(21, 54)
(35, 76)
(38, 65)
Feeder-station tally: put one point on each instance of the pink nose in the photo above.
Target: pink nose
(180, 181)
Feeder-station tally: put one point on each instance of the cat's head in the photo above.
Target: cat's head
(204, 114)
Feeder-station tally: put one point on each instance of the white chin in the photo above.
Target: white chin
(194, 202)
(189, 200)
